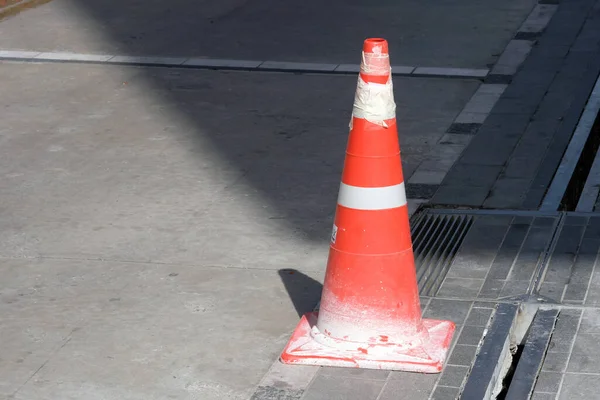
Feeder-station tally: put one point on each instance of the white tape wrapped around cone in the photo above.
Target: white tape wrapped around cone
(374, 102)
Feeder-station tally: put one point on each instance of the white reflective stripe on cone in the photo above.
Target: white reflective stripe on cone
(380, 198)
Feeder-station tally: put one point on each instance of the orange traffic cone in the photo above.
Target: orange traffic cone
(370, 314)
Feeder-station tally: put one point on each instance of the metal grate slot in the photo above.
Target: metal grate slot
(436, 240)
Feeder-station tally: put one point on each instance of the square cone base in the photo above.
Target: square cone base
(302, 349)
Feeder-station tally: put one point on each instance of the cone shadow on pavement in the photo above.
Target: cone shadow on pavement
(303, 290)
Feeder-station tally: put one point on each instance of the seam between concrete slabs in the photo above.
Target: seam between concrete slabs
(233, 64)
(580, 373)
(110, 260)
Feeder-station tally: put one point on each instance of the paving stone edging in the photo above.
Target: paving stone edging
(242, 65)
(511, 160)
(428, 176)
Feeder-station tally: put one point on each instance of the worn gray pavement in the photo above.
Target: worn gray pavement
(162, 229)
(429, 33)
(145, 226)
(175, 146)
(513, 157)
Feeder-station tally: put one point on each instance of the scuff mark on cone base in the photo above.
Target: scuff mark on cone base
(426, 357)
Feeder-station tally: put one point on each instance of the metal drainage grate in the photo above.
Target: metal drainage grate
(436, 239)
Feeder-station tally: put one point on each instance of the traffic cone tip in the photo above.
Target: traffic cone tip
(375, 45)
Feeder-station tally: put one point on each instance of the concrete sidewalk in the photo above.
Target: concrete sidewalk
(162, 229)
(138, 262)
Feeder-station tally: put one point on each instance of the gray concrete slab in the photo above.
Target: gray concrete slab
(74, 329)
(43, 303)
(467, 34)
(171, 207)
(173, 155)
